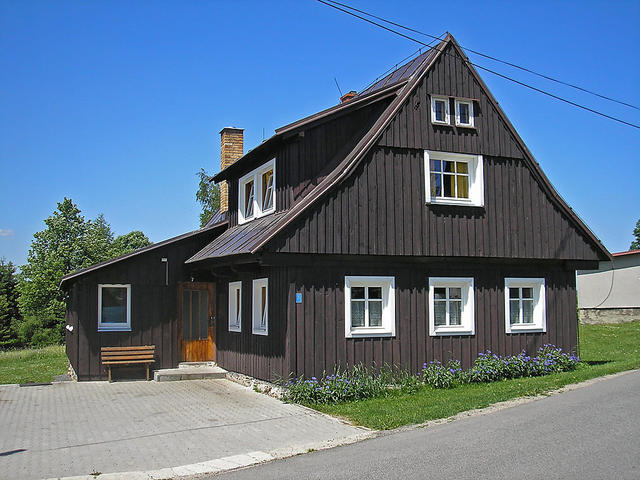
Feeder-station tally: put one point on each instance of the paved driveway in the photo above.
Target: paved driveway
(70, 429)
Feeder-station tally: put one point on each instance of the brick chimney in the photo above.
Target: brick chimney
(348, 96)
(231, 149)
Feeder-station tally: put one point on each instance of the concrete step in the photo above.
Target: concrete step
(197, 364)
(188, 373)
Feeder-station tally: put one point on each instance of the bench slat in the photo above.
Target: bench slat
(127, 362)
(117, 349)
(127, 357)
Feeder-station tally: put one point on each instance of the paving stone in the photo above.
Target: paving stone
(68, 428)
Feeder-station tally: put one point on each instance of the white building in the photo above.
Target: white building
(611, 294)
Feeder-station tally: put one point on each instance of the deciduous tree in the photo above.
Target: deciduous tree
(208, 196)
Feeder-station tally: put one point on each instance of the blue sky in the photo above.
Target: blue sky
(118, 104)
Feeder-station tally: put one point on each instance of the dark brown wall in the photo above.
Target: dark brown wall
(308, 338)
(153, 307)
(303, 161)
(382, 210)
(255, 355)
(450, 76)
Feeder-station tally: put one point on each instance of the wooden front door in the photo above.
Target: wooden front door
(196, 307)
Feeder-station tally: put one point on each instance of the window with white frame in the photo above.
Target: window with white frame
(440, 110)
(235, 306)
(114, 308)
(454, 178)
(260, 317)
(369, 304)
(256, 192)
(451, 306)
(524, 305)
(464, 113)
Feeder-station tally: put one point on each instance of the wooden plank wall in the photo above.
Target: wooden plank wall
(382, 210)
(153, 307)
(302, 161)
(259, 356)
(316, 328)
(450, 76)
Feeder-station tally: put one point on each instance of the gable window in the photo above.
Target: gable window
(454, 178)
(451, 306)
(440, 110)
(260, 317)
(369, 306)
(256, 192)
(464, 113)
(524, 305)
(114, 308)
(235, 306)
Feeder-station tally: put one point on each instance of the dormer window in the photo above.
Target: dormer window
(440, 110)
(256, 192)
(464, 113)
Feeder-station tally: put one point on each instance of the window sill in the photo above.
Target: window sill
(527, 329)
(264, 333)
(114, 329)
(369, 332)
(235, 329)
(462, 125)
(441, 124)
(453, 201)
(447, 331)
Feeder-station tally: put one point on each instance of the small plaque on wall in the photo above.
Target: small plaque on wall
(298, 298)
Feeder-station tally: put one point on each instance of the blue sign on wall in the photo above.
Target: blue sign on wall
(298, 298)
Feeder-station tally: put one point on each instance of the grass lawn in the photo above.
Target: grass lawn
(35, 365)
(604, 349)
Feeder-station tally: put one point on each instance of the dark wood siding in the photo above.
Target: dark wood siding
(450, 76)
(303, 161)
(309, 338)
(259, 356)
(153, 307)
(382, 210)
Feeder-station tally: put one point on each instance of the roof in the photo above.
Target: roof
(400, 83)
(217, 217)
(628, 252)
(237, 240)
(98, 266)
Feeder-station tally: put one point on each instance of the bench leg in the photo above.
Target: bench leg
(109, 373)
(147, 372)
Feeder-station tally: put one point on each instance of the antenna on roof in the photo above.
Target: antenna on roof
(336, 80)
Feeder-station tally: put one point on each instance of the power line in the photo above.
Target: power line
(505, 62)
(487, 69)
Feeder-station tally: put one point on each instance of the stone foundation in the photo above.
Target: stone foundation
(592, 316)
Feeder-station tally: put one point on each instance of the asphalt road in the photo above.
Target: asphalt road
(588, 433)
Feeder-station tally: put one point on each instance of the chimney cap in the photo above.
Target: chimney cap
(233, 129)
(348, 96)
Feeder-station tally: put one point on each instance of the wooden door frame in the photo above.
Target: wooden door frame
(210, 287)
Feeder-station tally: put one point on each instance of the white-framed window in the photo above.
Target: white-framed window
(369, 304)
(451, 306)
(464, 113)
(524, 305)
(440, 110)
(114, 307)
(256, 192)
(454, 178)
(260, 316)
(235, 306)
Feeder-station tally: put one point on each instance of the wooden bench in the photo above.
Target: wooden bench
(110, 356)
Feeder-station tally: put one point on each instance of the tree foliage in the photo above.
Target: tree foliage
(68, 243)
(9, 311)
(208, 196)
(635, 245)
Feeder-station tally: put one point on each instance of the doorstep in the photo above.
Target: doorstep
(190, 371)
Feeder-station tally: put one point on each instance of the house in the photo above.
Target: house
(408, 223)
(611, 294)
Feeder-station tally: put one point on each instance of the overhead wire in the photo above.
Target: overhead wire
(506, 77)
(490, 57)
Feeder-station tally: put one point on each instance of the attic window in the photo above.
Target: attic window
(454, 178)
(464, 113)
(256, 192)
(440, 110)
